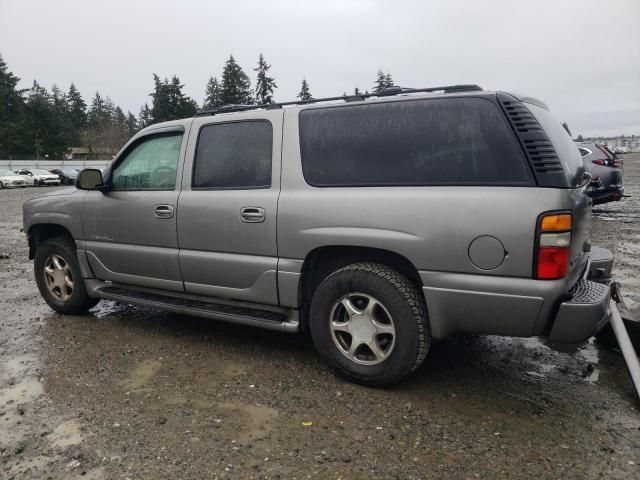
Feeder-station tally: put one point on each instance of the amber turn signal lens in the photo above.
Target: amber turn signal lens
(556, 223)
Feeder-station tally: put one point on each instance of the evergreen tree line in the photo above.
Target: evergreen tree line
(37, 123)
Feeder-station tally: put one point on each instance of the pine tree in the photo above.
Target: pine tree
(61, 129)
(212, 93)
(77, 114)
(580, 138)
(110, 113)
(132, 124)
(236, 86)
(144, 117)
(356, 91)
(43, 126)
(304, 94)
(97, 113)
(12, 109)
(265, 85)
(120, 118)
(168, 101)
(381, 82)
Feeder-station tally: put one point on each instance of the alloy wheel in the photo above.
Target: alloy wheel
(58, 277)
(362, 329)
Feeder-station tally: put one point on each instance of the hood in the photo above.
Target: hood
(5, 178)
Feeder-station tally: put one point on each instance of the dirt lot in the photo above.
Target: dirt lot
(135, 393)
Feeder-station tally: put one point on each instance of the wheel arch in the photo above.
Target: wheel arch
(322, 261)
(40, 232)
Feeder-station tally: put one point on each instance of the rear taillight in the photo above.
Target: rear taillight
(554, 246)
(599, 162)
(617, 164)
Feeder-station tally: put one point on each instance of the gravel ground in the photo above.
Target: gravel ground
(127, 392)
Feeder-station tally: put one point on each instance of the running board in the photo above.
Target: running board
(243, 315)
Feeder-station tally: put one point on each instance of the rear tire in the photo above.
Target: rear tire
(346, 305)
(59, 278)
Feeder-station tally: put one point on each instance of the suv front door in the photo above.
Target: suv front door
(130, 228)
(228, 206)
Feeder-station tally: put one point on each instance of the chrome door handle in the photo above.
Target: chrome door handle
(252, 214)
(164, 211)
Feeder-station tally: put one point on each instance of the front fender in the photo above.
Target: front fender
(63, 208)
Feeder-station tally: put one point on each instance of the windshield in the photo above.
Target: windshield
(40, 171)
(7, 173)
(70, 171)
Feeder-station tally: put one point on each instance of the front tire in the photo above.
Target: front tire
(59, 279)
(370, 323)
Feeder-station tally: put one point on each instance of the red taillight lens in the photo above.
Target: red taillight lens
(616, 164)
(599, 162)
(554, 246)
(553, 262)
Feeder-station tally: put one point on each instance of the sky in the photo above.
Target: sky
(581, 57)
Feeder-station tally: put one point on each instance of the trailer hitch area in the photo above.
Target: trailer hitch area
(620, 331)
(616, 294)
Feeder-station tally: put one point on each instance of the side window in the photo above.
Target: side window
(454, 141)
(150, 164)
(584, 152)
(234, 155)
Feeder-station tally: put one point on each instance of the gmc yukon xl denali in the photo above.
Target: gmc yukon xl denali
(375, 223)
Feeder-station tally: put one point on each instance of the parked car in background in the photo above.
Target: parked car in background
(9, 179)
(39, 177)
(67, 176)
(608, 149)
(606, 171)
(373, 222)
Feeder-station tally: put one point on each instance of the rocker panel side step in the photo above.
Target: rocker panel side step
(230, 313)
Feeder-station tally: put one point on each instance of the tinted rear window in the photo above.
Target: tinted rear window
(234, 155)
(455, 141)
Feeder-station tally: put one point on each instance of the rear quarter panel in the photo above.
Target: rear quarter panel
(432, 227)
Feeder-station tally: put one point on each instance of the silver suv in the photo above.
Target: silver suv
(376, 223)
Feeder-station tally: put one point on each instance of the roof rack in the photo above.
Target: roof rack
(387, 92)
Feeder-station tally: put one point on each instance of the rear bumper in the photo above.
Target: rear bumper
(587, 310)
(521, 307)
(607, 195)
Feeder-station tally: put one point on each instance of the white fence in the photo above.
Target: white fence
(50, 164)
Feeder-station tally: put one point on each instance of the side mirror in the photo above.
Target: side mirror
(89, 179)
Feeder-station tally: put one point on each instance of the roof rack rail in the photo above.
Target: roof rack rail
(387, 92)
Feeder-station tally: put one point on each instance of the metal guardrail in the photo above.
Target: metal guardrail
(50, 164)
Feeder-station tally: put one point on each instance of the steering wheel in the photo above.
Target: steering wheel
(163, 176)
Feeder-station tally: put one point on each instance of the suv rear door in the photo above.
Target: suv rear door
(228, 206)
